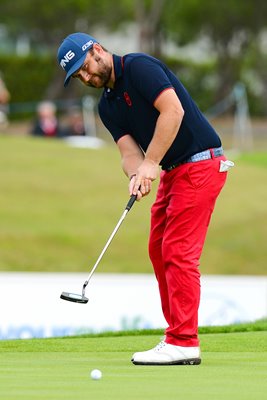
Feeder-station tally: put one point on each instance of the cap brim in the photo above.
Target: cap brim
(73, 69)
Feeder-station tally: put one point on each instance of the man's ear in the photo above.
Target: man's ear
(98, 48)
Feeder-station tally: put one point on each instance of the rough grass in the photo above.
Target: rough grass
(58, 206)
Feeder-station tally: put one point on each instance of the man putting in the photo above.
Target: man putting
(155, 123)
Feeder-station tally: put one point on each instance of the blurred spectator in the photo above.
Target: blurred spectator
(46, 123)
(4, 100)
(75, 124)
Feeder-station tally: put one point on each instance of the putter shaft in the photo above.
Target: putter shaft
(104, 249)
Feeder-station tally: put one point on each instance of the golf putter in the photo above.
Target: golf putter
(80, 298)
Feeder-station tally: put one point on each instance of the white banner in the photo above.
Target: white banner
(31, 304)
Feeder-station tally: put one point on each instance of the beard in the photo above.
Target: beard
(102, 77)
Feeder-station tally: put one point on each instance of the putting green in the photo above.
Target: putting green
(234, 366)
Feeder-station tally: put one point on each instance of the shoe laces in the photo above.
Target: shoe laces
(160, 345)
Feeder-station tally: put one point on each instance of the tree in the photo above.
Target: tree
(148, 15)
(230, 26)
(46, 23)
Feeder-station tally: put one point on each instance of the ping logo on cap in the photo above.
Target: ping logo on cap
(67, 58)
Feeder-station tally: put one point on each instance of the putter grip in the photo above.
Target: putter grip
(131, 202)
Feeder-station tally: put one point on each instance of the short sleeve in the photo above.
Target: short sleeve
(149, 77)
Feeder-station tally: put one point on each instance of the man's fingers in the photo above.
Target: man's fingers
(137, 186)
(144, 186)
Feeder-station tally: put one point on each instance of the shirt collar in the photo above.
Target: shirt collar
(118, 70)
(118, 66)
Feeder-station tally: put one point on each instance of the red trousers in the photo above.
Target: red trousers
(179, 221)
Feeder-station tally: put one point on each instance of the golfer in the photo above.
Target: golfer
(156, 125)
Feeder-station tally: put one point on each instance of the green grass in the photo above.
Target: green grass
(258, 159)
(58, 206)
(233, 366)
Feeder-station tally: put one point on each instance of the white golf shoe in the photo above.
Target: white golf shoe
(168, 354)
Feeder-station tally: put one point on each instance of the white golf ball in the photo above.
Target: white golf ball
(96, 374)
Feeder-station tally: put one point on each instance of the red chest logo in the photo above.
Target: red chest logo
(127, 99)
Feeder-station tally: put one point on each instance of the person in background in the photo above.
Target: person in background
(4, 100)
(74, 123)
(46, 123)
(155, 123)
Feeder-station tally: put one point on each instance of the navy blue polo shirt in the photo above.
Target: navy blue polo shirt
(128, 108)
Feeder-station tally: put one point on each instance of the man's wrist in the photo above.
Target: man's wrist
(151, 161)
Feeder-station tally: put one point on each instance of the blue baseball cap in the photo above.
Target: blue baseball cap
(72, 52)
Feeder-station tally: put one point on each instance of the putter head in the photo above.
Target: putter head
(75, 298)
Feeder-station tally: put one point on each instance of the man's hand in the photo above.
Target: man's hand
(141, 183)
